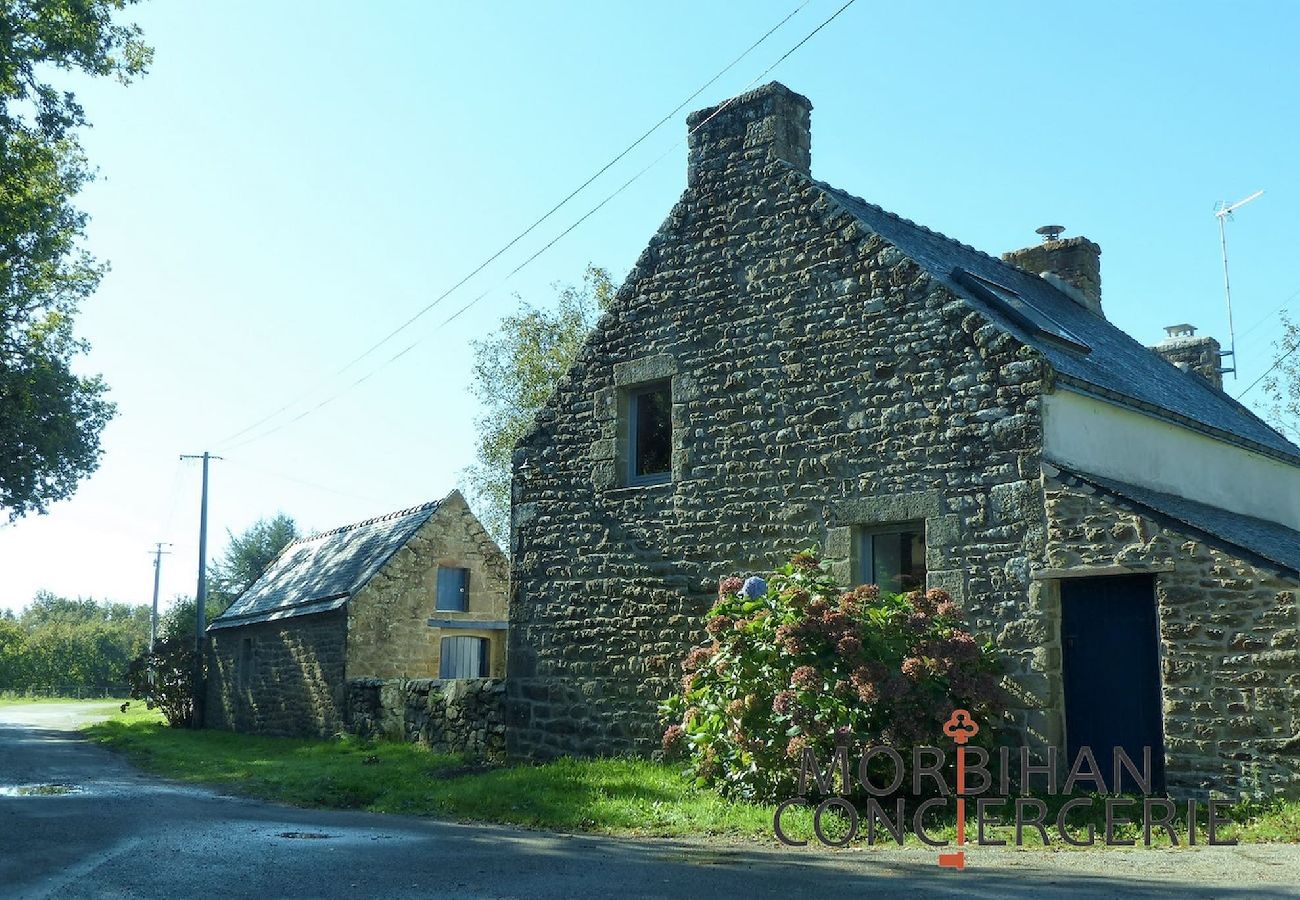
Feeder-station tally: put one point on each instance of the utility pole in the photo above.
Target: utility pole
(153, 616)
(201, 593)
(158, 554)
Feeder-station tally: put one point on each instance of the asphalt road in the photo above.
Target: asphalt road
(126, 834)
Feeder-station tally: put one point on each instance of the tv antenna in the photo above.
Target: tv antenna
(1223, 212)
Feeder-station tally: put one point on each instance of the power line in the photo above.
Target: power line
(521, 235)
(1269, 317)
(718, 111)
(286, 477)
(1281, 359)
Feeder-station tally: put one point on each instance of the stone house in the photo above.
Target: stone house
(787, 364)
(419, 593)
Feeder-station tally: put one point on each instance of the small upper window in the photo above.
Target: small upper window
(453, 589)
(892, 557)
(650, 433)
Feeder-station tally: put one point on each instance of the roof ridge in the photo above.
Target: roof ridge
(906, 221)
(401, 513)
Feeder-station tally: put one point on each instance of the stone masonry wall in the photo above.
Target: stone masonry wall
(294, 682)
(1229, 661)
(388, 621)
(1201, 355)
(463, 716)
(820, 381)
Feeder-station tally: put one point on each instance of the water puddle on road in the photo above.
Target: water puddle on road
(305, 835)
(38, 790)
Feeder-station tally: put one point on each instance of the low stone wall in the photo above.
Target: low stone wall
(463, 716)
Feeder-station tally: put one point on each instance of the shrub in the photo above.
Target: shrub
(172, 686)
(795, 662)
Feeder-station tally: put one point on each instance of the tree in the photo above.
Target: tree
(1282, 385)
(515, 372)
(246, 557)
(59, 642)
(176, 624)
(50, 418)
(13, 655)
(164, 679)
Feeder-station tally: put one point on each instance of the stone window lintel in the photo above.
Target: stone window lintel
(608, 452)
(942, 533)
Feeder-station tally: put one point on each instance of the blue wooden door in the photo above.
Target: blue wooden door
(1111, 664)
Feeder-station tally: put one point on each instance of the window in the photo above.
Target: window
(245, 673)
(892, 556)
(453, 589)
(463, 657)
(650, 433)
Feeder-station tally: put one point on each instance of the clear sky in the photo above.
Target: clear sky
(292, 181)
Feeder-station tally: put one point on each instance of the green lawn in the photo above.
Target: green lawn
(620, 796)
(8, 698)
(613, 796)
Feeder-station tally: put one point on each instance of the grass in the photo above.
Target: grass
(610, 796)
(11, 698)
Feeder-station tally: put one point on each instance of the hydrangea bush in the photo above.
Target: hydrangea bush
(796, 662)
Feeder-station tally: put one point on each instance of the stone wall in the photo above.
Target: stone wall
(389, 635)
(464, 716)
(1228, 633)
(820, 381)
(292, 684)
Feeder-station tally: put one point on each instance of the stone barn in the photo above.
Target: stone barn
(788, 364)
(417, 594)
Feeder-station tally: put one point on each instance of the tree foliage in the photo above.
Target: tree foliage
(1282, 385)
(164, 680)
(246, 556)
(64, 644)
(50, 417)
(515, 372)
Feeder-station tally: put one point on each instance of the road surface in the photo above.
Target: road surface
(122, 833)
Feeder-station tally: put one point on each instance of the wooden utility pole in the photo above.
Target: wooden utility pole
(157, 572)
(201, 592)
(153, 615)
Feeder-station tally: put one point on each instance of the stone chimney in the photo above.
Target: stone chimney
(1190, 353)
(1071, 264)
(770, 122)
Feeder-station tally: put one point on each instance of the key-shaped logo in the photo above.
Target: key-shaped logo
(960, 726)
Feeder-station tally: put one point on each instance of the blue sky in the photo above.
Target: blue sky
(292, 181)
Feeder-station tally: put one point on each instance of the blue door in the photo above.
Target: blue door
(1111, 664)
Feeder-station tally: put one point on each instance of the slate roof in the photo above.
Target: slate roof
(1113, 365)
(1256, 540)
(319, 573)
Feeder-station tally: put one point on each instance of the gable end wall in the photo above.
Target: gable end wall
(819, 379)
(388, 620)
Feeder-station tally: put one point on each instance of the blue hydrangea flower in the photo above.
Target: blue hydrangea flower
(754, 588)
